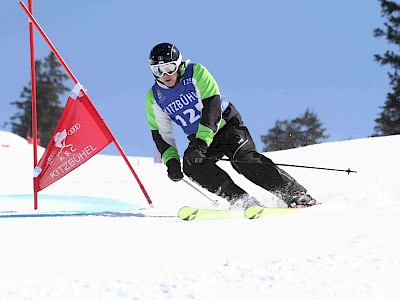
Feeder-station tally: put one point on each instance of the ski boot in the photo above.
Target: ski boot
(299, 200)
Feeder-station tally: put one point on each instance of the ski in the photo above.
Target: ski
(255, 212)
(189, 213)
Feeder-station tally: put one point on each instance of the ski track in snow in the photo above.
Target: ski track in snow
(347, 248)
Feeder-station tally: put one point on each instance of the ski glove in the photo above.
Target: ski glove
(195, 152)
(174, 170)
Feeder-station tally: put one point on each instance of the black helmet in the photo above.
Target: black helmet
(164, 53)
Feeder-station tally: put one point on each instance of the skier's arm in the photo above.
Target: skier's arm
(211, 100)
(161, 129)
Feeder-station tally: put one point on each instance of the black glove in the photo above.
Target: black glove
(195, 152)
(174, 170)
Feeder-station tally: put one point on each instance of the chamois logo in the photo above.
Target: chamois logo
(60, 141)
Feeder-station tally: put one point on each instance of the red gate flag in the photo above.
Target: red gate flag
(80, 134)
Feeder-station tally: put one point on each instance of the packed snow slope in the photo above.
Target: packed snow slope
(95, 237)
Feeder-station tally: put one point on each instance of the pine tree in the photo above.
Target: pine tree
(49, 85)
(388, 122)
(299, 132)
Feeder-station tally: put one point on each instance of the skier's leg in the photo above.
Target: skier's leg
(255, 166)
(214, 179)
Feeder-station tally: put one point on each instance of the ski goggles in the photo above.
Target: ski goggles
(165, 68)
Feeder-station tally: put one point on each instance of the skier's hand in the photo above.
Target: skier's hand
(195, 152)
(174, 170)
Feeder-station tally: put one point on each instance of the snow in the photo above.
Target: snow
(95, 237)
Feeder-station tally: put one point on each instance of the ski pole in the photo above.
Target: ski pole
(213, 201)
(348, 171)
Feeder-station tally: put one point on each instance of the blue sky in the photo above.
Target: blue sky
(272, 59)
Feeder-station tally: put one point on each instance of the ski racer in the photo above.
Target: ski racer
(187, 94)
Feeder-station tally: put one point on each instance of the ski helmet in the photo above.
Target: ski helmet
(164, 53)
